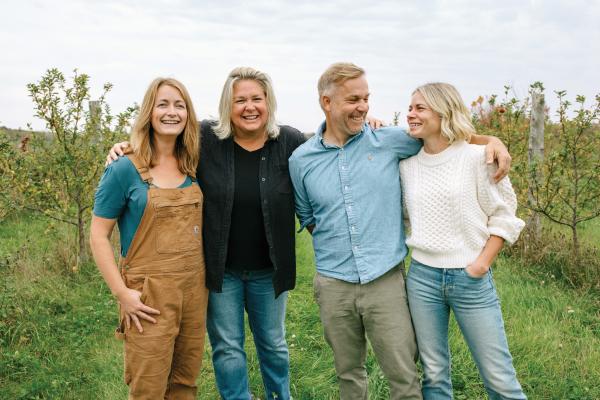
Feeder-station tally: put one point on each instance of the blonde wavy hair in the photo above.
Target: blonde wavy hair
(187, 146)
(225, 128)
(445, 100)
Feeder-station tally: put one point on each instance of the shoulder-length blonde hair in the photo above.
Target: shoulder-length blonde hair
(225, 128)
(187, 146)
(445, 100)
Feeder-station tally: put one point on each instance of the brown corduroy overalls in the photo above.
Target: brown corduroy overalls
(166, 263)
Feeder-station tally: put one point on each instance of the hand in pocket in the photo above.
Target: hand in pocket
(134, 309)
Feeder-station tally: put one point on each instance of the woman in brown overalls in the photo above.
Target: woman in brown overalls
(160, 281)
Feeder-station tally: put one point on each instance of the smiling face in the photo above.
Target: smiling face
(423, 122)
(169, 114)
(249, 113)
(347, 106)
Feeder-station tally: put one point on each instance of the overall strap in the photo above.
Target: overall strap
(142, 169)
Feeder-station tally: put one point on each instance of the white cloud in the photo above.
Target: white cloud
(478, 45)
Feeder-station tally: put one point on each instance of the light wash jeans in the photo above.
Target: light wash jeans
(432, 293)
(251, 291)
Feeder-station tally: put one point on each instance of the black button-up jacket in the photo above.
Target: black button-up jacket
(216, 177)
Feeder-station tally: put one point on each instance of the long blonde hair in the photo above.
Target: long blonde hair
(187, 146)
(225, 128)
(445, 100)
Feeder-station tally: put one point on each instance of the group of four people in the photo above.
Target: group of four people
(222, 218)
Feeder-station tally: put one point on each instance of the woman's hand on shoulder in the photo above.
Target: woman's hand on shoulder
(118, 150)
(134, 310)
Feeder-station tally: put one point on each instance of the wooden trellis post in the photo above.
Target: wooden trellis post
(96, 113)
(536, 153)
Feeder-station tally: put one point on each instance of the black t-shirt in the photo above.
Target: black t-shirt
(248, 248)
(216, 176)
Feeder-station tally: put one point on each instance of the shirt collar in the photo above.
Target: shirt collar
(321, 129)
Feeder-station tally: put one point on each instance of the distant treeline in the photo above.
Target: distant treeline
(16, 135)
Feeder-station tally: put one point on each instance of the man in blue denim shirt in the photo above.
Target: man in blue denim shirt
(347, 191)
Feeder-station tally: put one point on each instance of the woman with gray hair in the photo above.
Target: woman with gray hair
(249, 232)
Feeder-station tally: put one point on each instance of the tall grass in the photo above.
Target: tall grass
(56, 330)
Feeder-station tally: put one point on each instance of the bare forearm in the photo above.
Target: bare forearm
(480, 266)
(490, 250)
(483, 139)
(105, 260)
(132, 307)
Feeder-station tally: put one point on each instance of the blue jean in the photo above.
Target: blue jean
(432, 293)
(251, 291)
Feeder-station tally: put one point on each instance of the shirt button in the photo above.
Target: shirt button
(346, 188)
(263, 158)
(263, 179)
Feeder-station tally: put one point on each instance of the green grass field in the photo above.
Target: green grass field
(56, 329)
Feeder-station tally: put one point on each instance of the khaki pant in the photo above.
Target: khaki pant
(351, 312)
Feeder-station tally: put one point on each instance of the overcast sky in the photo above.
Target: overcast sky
(479, 46)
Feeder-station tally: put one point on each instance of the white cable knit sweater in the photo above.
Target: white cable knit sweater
(453, 206)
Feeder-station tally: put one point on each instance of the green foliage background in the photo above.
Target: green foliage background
(54, 173)
(56, 330)
(57, 322)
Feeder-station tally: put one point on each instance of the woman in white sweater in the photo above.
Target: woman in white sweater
(459, 222)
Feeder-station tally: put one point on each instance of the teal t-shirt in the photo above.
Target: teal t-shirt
(122, 194)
